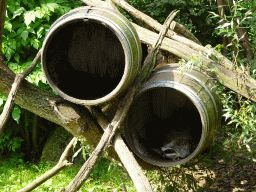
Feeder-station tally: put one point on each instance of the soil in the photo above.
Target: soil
(228, 176)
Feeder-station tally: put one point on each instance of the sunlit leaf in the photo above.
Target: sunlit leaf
(36, 44)
(8, 26)
(12, 44)
(24, 35)
(17, 57)
(18, 12)
(29, 17)
(39, 13)
(16, 114)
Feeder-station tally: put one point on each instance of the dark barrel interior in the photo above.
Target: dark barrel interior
(85, 59)
(157, 116)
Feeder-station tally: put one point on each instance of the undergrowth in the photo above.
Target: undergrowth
(107, 176)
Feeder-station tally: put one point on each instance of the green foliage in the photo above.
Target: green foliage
(239, 113)
(26, 25)
(194, 15)
(107, 176)
(174, 179)
(16, 113)
(240, 15)
(9, 142)
(240, 117)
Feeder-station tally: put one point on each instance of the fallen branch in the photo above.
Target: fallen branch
(237, 80)
(123, 107)
(63, 163)
(126, 156)
(15, 86)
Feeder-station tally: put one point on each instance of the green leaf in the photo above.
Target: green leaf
(36, 43)
(18, 12)
(20, 30)
(12, 44)
(43, 79)
(16, 113)
(25, 2)
(52, 6)
(8, 26)
(39, 13)
(40, 32)
(8, 52)
(15, 67)
(17, 57)
(2, 101)
(24, 35)
(26, 65)
(29, 17)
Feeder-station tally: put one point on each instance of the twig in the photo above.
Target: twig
(123, 107)
(63, 163)
(15, 86)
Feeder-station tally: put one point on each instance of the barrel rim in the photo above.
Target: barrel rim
(127, 49)
(202, 111)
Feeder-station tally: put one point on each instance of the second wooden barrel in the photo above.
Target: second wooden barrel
(173, 117)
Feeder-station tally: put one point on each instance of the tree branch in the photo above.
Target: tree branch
(3, 5)
(63, 163)
(220, 71)
(15, 86)
(138, 177)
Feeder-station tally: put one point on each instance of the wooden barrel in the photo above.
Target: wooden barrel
(91, 55)
(173, 117)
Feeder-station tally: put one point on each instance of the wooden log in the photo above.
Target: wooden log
(238, 80)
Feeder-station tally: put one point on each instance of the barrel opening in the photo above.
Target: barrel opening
(163, 117)
(84, 59)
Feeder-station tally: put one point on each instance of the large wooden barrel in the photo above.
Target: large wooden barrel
(91, 55)
(173, 117)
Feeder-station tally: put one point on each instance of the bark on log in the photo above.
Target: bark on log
(238, 80)
(3, 5)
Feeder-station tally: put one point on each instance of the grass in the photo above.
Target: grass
(107, 176)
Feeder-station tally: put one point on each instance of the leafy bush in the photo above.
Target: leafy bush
(239, 113)
(194, 15)
(26, 25)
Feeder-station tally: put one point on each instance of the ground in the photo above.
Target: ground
(228, 176)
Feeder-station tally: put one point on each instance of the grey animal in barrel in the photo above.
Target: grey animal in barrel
(179, 148)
